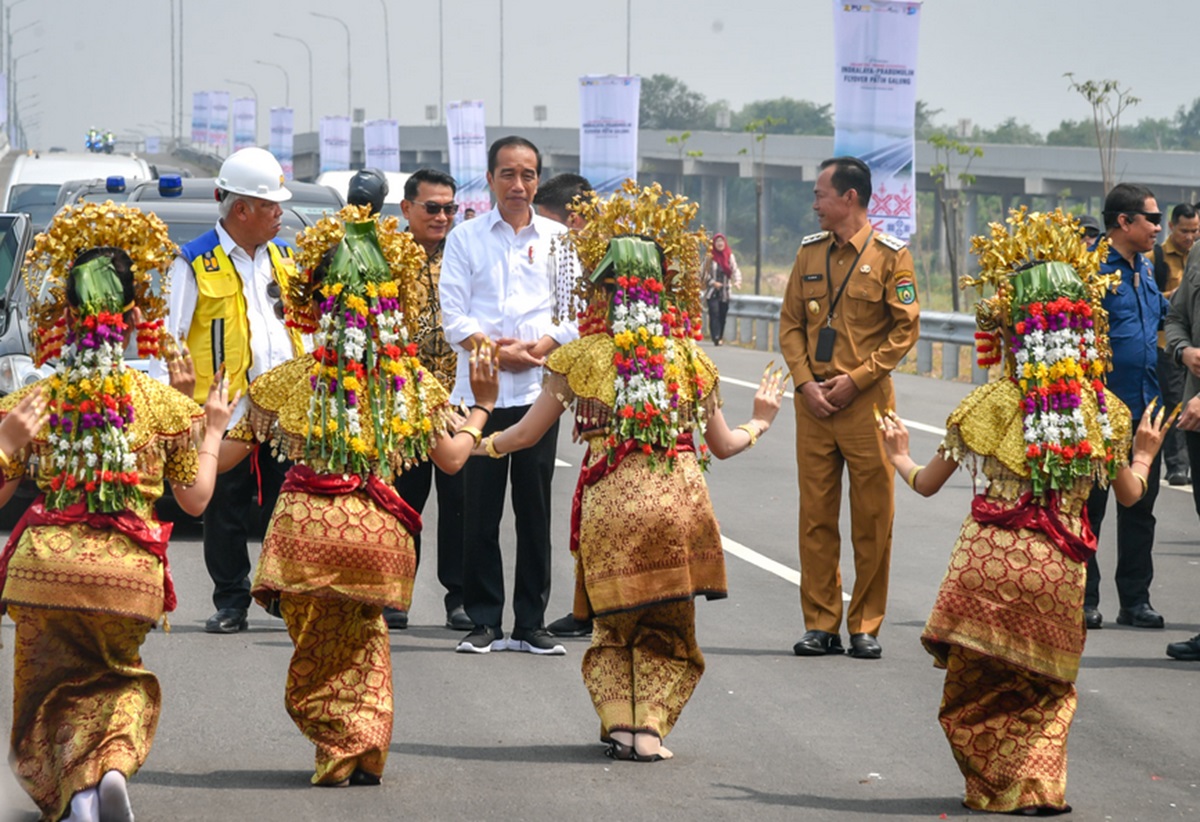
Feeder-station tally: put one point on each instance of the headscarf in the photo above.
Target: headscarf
(724, 257)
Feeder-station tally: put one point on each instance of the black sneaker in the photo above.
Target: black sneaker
(483, 640)
(570, 626)
(537, 641)
(1188, 650)
(457, 619)
(396, 619)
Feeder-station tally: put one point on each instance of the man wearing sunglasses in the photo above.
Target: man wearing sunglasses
(1136, 310)
(225, 302)
(429, 208)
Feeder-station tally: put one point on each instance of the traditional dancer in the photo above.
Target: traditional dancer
(340, 544)
(85, 709)
(645, 538)
(1008, 622)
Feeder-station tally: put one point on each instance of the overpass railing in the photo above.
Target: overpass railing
(754, 322)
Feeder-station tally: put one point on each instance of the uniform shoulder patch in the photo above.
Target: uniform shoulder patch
(814, 238)
(210, 262)
(894, 243)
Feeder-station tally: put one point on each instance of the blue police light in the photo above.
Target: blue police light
(170, 185)
(115, 184)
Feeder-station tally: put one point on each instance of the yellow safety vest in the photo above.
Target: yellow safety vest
(219, 296)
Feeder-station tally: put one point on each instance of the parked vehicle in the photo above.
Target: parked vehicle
(311, 200)
(35, 180)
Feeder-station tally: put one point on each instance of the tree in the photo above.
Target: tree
(667, 103)
(1187, 120)
(1010, 132)
(1108, 100)
(925, 127)
(680, 142)
(1072, 133)
(788, 116)
(947, 149)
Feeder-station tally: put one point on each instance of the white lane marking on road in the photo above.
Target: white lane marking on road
(560, 464)
(766, 563)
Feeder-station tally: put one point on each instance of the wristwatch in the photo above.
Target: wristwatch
(1179, 354)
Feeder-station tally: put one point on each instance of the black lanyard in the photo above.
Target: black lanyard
(829, 277)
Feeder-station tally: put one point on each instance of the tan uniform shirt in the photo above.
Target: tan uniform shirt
(876, 319)
(1176, 261)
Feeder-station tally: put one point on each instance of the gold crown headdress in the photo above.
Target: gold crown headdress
(404, 257)
(649, 212)
(76, 229)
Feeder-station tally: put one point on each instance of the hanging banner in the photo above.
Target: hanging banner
(608, 130)
(467, 138)
(218, 121)
(153, 144)
(199, 119)
(381, 144)
(281, 139)
(335, 143)
(245, 122)
(875, 101)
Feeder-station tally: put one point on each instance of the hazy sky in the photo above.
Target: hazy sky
(108, 63)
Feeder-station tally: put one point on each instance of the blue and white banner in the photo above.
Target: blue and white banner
(281, 143)
(153, 144)
(200, 119)
(467, 137)
(335, 143)
(218, 121)
(381, 144)
(875, 101)
(608, 130)
(245, 123)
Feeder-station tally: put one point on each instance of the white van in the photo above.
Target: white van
(35, 179)
(339, 181)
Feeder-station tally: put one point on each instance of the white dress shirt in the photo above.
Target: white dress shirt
(270, 343)
(495, 281)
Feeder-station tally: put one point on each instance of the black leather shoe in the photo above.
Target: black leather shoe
(457, 619)
(1178, 478)
(1188, 650)
(396, 619)
(818, 643)
(1140, 616)
(570, 626)
(865, 646)
(227, 621)
(1092, 619)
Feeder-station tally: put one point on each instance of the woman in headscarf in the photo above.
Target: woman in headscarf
(719, 274)
(643, 531)
(339, 547)
(85, 573)
(1008, 622)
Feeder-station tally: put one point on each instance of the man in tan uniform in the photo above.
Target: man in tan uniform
(849, 316)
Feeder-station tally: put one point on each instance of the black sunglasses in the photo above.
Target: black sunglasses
(432, 208)
(1154, 217)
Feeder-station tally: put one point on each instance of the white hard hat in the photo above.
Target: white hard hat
(253, 172)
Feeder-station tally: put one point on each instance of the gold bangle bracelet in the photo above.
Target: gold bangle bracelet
(210, 453)
(475, 433)
(911, 479)
(749, 429)
(5, 461)
(1142, 480)
(490, 446)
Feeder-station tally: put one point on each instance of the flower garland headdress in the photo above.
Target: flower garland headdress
(367, 412)
(90, 400)
(641, 259)
(1047, 312)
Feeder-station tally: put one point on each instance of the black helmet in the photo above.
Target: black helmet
(367, 187)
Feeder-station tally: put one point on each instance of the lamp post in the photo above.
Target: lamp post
(307, 48)
(387, 54)
(501, 62)
(628, 34)
(287, 81)
(253, 93)
(342, 23)
(441, 66)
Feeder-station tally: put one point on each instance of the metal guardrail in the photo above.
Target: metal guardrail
(755, 323)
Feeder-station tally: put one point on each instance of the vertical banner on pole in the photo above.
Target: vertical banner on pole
(199, 119)
(218, 121)
(245, 122)
(335, 143)
(381, 144)
(281, 140)
(608, 130)
(875, 103)
(467, 138)
(153, 144)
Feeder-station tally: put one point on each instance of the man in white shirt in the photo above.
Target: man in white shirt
(225, 303)
(494, 284)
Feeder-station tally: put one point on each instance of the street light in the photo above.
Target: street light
(247, 85)
(387, 54)
(307, 48)
(342, 23)
(287, 81)
(8, 23)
